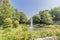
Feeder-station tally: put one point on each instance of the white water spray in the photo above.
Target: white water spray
(31, 25)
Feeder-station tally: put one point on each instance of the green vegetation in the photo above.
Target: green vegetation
(10, 16)
(36, 18)
(14, 24)
(21, 33)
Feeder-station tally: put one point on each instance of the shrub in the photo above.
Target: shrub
(58, 38)
(7, 22)
(9, 34)
(46, 33)
(20, 34)
(57, 32)
(16, 24)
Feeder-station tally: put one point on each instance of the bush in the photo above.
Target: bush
(21, 34)
(7, 22)
(46, 33)
(16, 24)
(57, 32)
(58, 38)
(17, 34)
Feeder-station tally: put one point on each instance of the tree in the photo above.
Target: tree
(15, 15)
(56, 13)
(23, 18)
(46, 17)
(36, 18)
(6, 11)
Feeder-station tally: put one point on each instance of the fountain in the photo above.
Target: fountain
(31, 25)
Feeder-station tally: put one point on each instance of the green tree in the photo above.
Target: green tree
(46, 17)
(36, 18)
(6, 10)
(15, 15)
(23, 18)
(55, 13)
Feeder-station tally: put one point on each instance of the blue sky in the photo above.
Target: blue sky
(31, 7)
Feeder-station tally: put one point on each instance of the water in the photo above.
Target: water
(31, 25)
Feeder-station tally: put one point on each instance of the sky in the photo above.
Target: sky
(32, 7)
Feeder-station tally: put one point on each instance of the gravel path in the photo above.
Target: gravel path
(47, 38)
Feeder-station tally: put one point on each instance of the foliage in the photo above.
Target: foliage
(8, 15)
(36, 18)
(23, 18)
(7, 22)
(16, 23)
(46, 17)
(18, 34)
(55, 13)
(6, 11)
(15, 15)
(58, 38)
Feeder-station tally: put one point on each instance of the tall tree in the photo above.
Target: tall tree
(56, 13)
(23, 18)
(46, 17)
(36, 18)
(5, 10)
(15, 15)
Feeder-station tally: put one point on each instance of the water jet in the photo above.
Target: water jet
(31, 25)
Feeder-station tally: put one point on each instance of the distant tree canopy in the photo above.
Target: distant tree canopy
(6, 11)
(36, 18)
(48, 16)
(23, 18)
(15, 15)
(44, 17)
(56, 13)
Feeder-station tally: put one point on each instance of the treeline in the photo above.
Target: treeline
(47, 16)
(10, 16)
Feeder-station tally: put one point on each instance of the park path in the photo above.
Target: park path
(46, 38)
